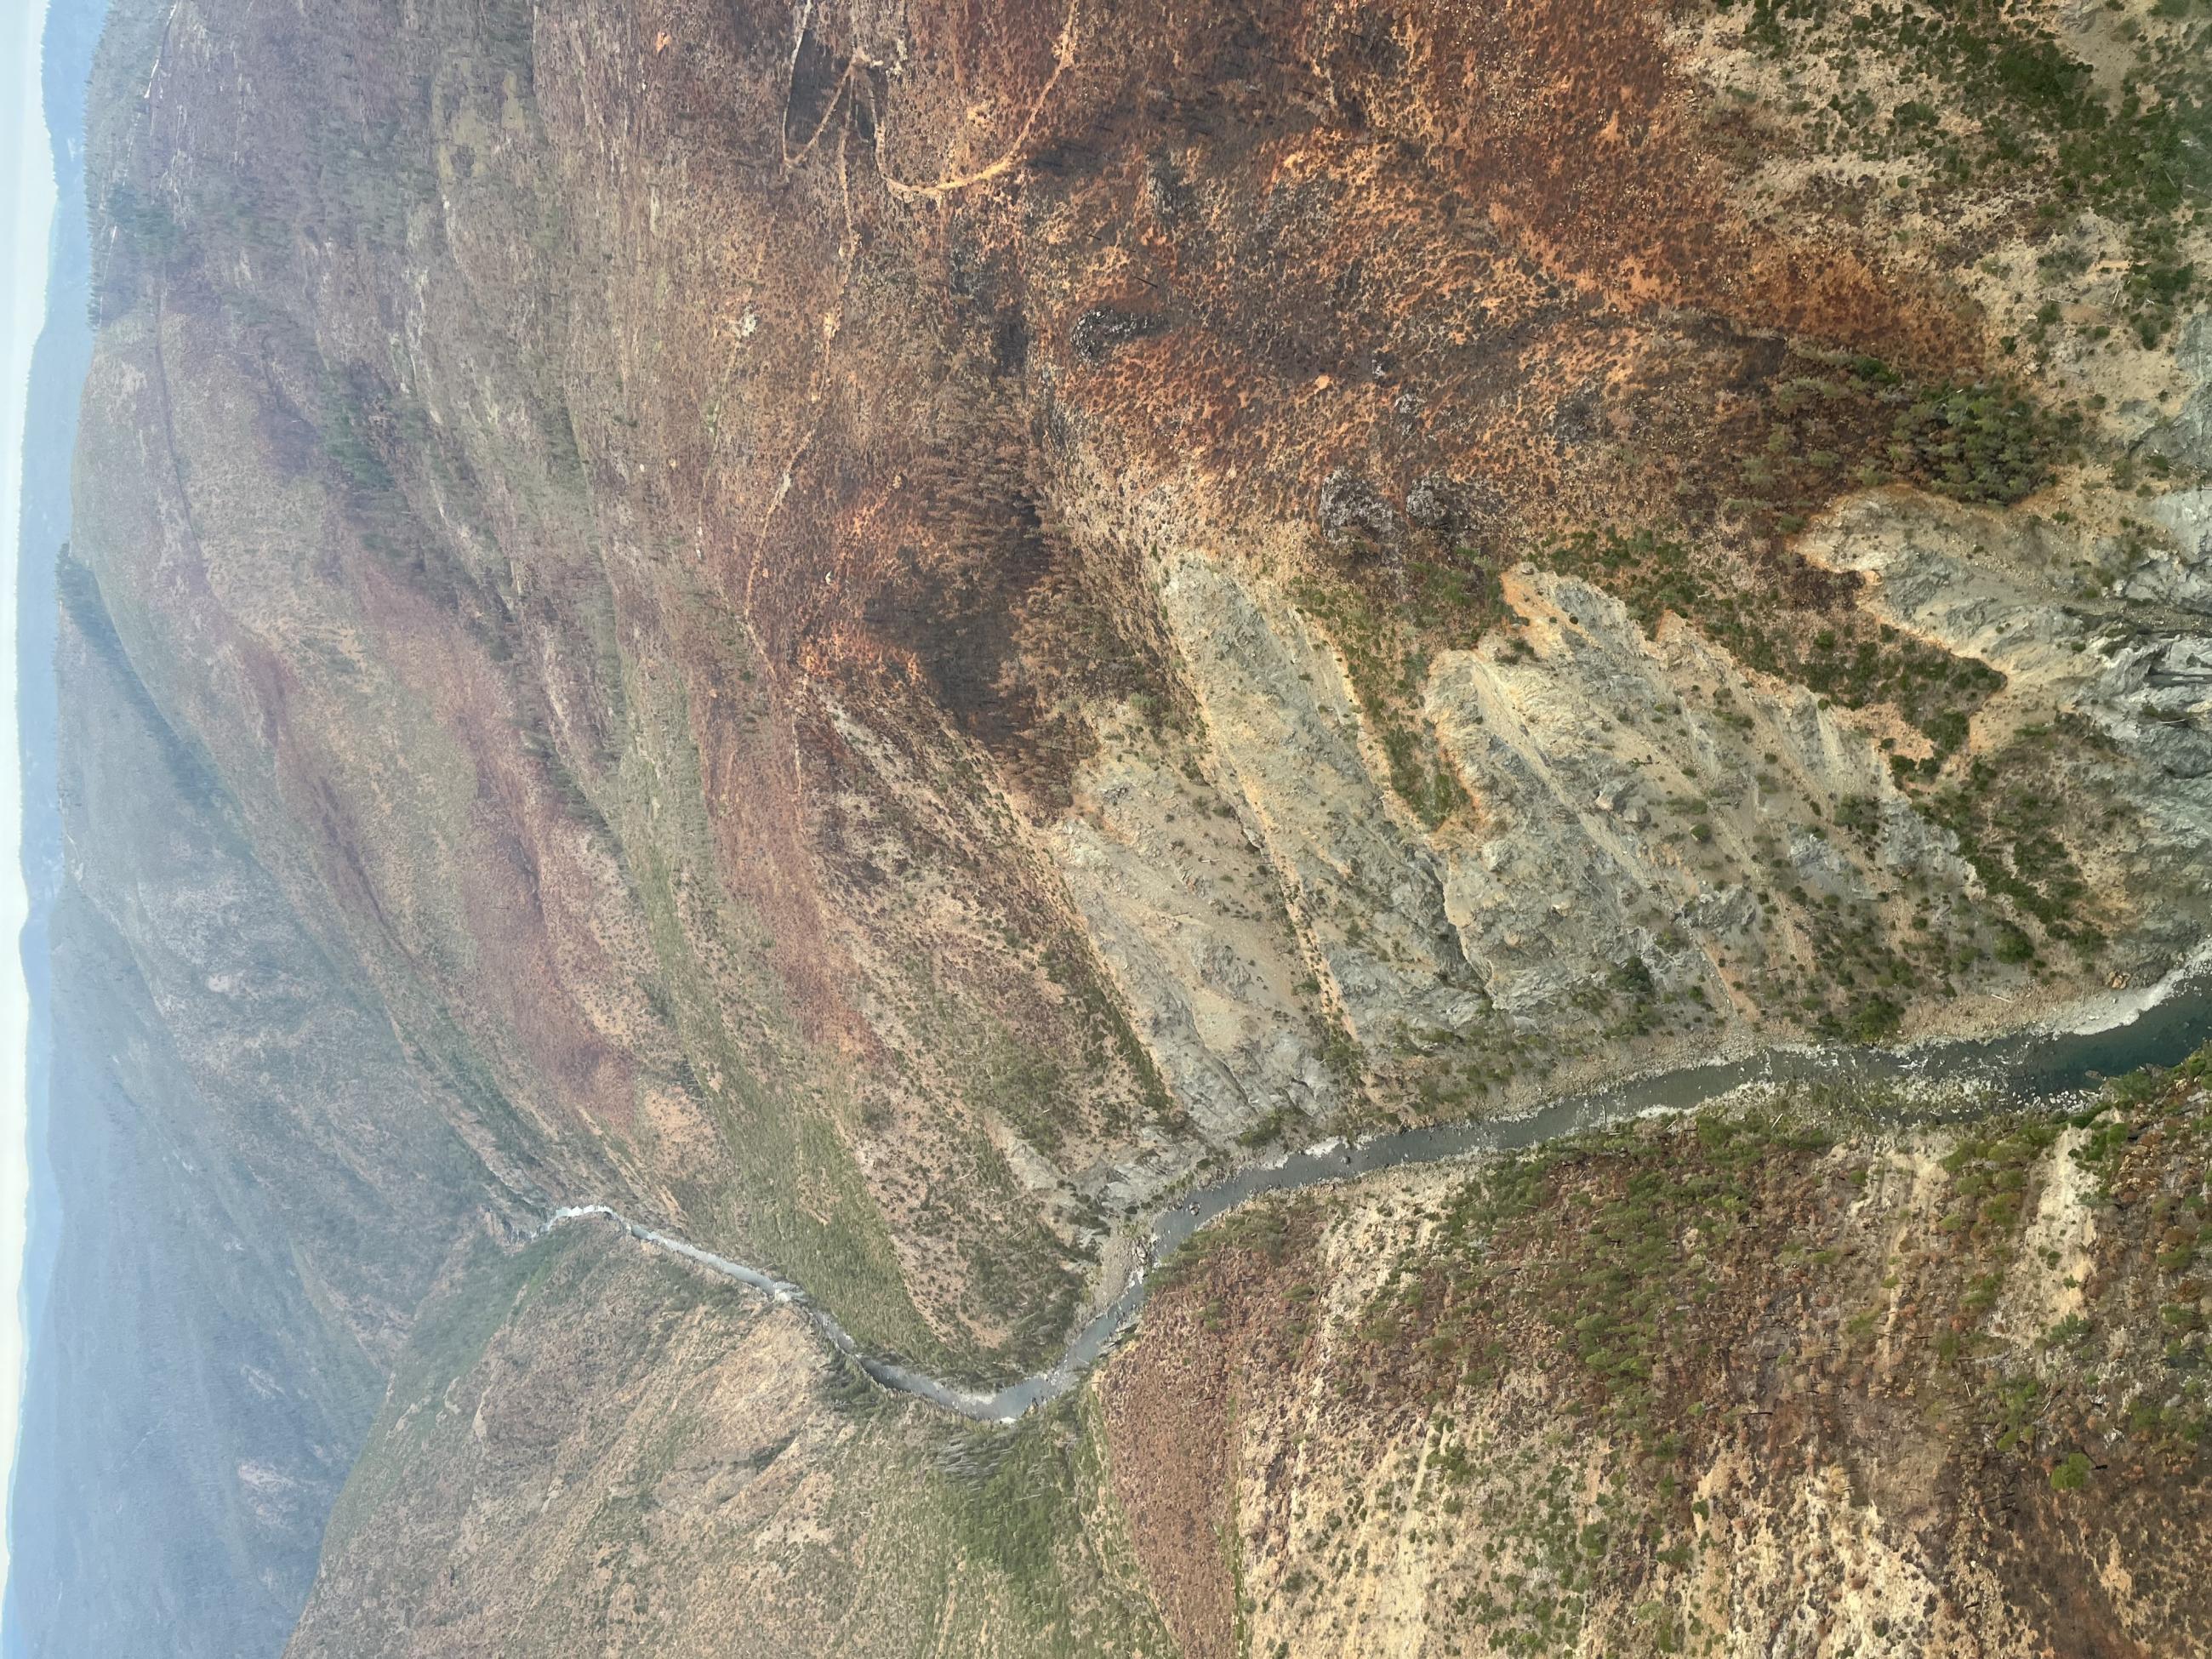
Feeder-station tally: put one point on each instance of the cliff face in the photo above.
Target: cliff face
(870, 634)
(880, 638)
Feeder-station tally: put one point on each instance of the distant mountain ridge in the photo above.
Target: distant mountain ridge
(58, 368)
(60, 359)
(193, 1399)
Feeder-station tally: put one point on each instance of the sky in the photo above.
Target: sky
(27, 213)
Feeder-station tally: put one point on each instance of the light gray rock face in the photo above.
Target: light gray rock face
(1248, 888)
(2182, 576)
(1629, 808)
(1648, 826)
(2187, 437)
(1978, 584)
(2155, 698)
(2122, 659)
(1180, 905)
(1366, 888)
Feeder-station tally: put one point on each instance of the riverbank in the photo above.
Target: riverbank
(2039, 1063)
(1743, 1381)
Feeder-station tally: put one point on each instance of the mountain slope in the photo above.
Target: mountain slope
(256, 1192)
(875, 635)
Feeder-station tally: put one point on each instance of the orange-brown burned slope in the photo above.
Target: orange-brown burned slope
(740, 561)
(1424, 240)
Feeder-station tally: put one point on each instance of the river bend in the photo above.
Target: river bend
(2041, 1064)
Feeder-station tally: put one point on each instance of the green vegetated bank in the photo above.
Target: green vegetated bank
(1952, 101)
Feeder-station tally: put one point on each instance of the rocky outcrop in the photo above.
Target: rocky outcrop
(2181, 576)
(1639, 799)
(2186, 436)
(2125, 656)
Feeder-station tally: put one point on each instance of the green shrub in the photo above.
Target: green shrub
(2071, 1474)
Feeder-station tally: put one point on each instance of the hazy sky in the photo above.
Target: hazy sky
(27, 214)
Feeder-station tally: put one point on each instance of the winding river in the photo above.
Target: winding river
(2039, 1064)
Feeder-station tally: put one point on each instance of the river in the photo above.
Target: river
(2044, 1063)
